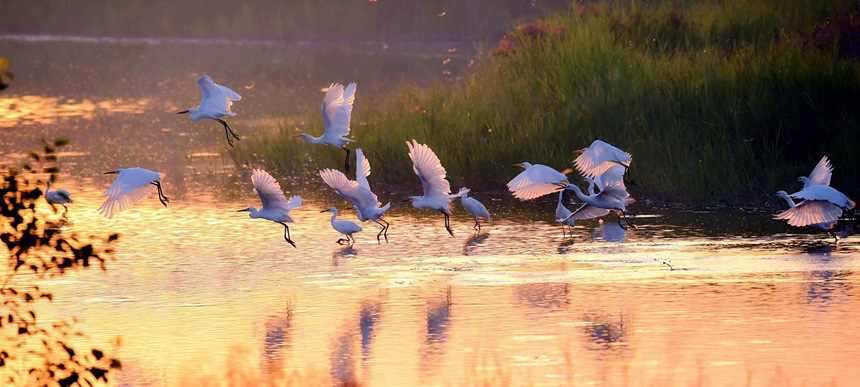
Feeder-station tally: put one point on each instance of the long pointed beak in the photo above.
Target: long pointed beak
(246, 209)
(324, 211)
(518, 165)
(350, 208)
(112, 172)
(182, 112)
(407, 200)
(579, 151)
(295, 136)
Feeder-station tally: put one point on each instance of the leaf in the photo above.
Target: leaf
(115, 363)
(4, 63)
(99, 373)
(61, 141)
(98, 354)
(33, 155)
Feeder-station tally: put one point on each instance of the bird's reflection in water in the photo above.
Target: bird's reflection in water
(342, 363)
(438, 322)
(608, 232)
(543, 295)
(371, 311)
(607, 336)
(566, 245)
(474, 241)
(337, 255)
(277, 338)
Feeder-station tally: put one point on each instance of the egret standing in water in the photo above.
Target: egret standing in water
(562, 215)
(344, 227)
(613, 195)
(358, 192)
(59, 196)
(472, 206)
(131, 185)
(336, 112)
(597, 158)
(214, 104)
(537, 180)
(275, 205)
(437, 190)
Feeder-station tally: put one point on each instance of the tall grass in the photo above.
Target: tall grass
(717, 101)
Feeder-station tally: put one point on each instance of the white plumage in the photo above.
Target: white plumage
(537, 180)
(562, 214)
(599, 157)
(276, 207)
(358, 192)
(131, 185)
(215, 102)
(820, 175)
(437, 190)
(336, 113)
(59, 196)
(818, 213)
(344, 227)
(472, 206)
(612, 196)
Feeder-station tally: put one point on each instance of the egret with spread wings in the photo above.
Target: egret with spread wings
(131, 185)
(437, 190)
(336, 112)
(214, 104)
(276, 207)
(364, 201)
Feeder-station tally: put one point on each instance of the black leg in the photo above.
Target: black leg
(626, 220)
(228, 132)
(448, 224)
(346, 166)
(163, 199)
(835, 238)
(626, 176)
(477, 225)
(65, 211)
(287, 234)
(340, 241)
(384, 231)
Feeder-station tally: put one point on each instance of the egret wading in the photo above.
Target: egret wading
(562, 215)
(358, 192)
(472, 206)
(613, 195)
(344, 227)
(59, 196)
(131, 185)
(598, 157)
(437, 190)
(275, 205)
(214, 104)
(336, 112)
(537, 180)
(805, 212)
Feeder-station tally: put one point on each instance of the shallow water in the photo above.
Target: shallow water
(200, 293)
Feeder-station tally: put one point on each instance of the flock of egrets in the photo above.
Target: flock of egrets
(602, 166)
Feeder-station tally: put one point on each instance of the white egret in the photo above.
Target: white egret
(58, 196)
(275, 205)
(214, 104)
(472, 206)
(612, 196)
(562, 215)
(131, 185)
(816, 213)
(820, 174)
(437, 190)
(599, 157)
(344, 227)
(358, 192)
(336, 112)
(537, 180)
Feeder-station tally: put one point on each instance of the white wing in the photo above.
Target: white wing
(427, 166)
(363, 169)
(337, 109)
(131, 185)
(216, 97)
(599, 157)
(614, 176)
(820, 175)
(294, 202)
(536, 181)
(810, 212)
(344, 187)
(587, 211)
(269, 191)
(824, 192)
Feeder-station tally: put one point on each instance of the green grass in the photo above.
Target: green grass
(717, 101)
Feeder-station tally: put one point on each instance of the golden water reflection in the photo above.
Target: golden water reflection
(200, 293)
(40, 110)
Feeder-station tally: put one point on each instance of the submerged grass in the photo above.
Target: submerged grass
(716, 100)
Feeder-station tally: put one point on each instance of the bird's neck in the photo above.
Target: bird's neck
(788, 200)
(578, 193)
(333, 217)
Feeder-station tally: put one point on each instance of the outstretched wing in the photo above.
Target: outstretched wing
(587, 211)
(344, 187)
(820, 175)
(269, 191)
(337, 109)
(824, 192)
(599, 157)
(130, 186)
(216, 97)
(429, 169)
(363, 169)
(811, 212)
(294, 202)
(613, 177)
(536, 181)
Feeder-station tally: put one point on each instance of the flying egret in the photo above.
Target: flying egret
(537, 180)
(58, 196)
(612, 196)
(472, 206)
(817, 213)
(437, 190)
(562, 215)
(275, 205)
(214, 104)
(336, 111)
(358, 192)
(131, 185)
(599, 157)
(820, 174)
(344, 227)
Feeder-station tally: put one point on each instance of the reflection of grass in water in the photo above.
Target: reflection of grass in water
(715, 100)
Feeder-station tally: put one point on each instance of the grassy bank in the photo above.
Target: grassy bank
(717, 101)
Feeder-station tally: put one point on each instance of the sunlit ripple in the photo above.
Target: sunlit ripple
(34, 109)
